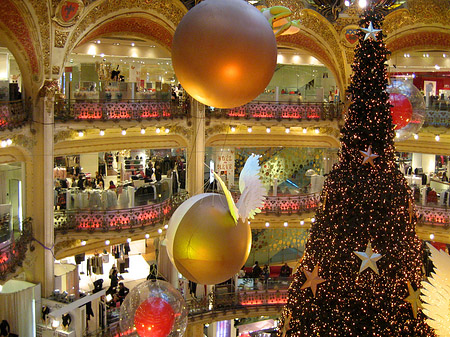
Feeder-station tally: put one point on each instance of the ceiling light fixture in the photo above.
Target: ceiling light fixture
(166, 130)
(268, 130)
(142, 131)
(287, 130)
(267, 224)
(132, 44)
(124, 132)
(233, 128)
(8, 141)
(317, 130)
(305, 130)
(102, 132)
(107, 242)
(80, 133)
(416, 136)
(158, 130)
(249, 129)
(438, 138)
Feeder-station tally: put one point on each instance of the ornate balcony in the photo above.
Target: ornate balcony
(281, 111)
(13, 114)
(438, 118)
(90, 110)
(116, 219)
(13, 251)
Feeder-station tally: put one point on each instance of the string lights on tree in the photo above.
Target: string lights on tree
(363, 237)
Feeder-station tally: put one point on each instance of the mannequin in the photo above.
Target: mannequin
(66, 320)
(4, 328)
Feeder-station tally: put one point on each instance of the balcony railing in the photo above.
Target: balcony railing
(438, 118)
(88, 110)
(13, 251)
(13, 114)
(118, 219)
(281, 111)
(151, 215)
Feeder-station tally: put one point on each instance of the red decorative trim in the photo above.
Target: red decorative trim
(420, 39)
(13, 20)
(140, 26)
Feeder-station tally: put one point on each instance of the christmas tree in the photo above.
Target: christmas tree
(362, 264)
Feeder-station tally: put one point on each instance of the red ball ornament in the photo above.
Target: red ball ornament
(154, 318)
(401, 110)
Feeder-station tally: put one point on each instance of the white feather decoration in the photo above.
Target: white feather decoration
(252, 189)
(250, 169)
(436, 293)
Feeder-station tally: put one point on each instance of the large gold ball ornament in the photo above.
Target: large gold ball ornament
(224, 52)
(203, 241)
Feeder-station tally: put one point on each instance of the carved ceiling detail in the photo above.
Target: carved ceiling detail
(165, 8)
(13, 19)
(136, 25)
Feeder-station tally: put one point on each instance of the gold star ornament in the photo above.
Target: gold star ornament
(410, 210)
(312, 280)
(370, 32)
(414, 299)
(368, 259)
(369, 156)
(286, 326)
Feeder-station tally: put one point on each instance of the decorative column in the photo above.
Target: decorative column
(41, 207)
(196, 150)
(194, 330)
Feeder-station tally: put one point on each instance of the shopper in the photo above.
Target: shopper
(111, 185)
(123, 292)
(257, 271)
(444, 177)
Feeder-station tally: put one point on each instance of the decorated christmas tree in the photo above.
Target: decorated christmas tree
(362, 265)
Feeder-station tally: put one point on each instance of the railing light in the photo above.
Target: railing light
(249, 129)
(107, 242)
(124, 132)
(4, 143)
(233, 129)
(431, 236)
(159, 230)
(268, 130)
(302, 223)
(102, 132)
(166, 226)
(80, 133)
(285, 224)
(158, 130)
(305, 130)
(147, 236)
(317, 130)
(166, 130)
(287, 130)
(83, 243)
(416, 136)
(437, 137)
(267, 224)
(142, 131)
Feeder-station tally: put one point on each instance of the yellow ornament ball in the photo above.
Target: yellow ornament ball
(224, 52)
(203, 241)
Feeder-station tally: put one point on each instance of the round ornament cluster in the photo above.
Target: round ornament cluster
(154, 309)
(408, 111)
(224, 52)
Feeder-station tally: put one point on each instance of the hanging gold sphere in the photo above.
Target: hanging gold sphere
(224, 53)
(203, 241)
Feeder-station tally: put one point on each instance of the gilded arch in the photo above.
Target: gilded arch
(17, 35)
